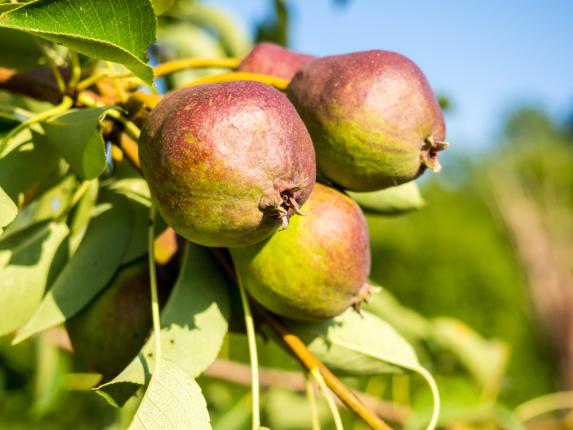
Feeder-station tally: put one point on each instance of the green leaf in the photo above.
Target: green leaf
(118, 31)
(26, 260)
(52, 367)
(138, 244)
(233, 38)
(173, 401)
(16, 104)
(162, 6)
(8, 210)
(137, 191)
(134, 188)
(485, 360)
(363, 345)
(49, 205)
(83, 211)
(194, 323)
(5, 7)
(406, 321)
(8, 121)
(77, 136)
(391, 201)
(357, 345)
(19, 51)
(89, 269)
(28, 170)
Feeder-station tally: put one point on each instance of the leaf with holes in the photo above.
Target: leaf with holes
(118, 31)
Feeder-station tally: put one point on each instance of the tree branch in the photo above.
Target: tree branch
(239, 373)
(39, 83)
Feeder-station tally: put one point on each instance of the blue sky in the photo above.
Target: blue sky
(487, 56)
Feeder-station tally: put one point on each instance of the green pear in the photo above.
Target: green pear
(316, 268)
(109, 332)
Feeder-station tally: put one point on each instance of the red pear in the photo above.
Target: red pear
(227, 164)
(373, 118)
(274, 60)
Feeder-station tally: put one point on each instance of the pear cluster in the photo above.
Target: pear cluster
(232, 164)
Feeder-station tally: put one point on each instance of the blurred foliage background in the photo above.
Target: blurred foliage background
(479, 280)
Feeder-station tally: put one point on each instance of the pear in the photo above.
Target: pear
(270, 59)
(228, 163)
(109, 332)
(373, 118)
(316, 268)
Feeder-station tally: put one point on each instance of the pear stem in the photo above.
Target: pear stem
(251, 337)
(317, 376)
(76, 69)
(52, 64)
(278, 83)
(153, 283)
(195, 63)
(312, 403)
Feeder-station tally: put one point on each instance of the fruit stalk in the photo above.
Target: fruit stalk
(278, 83)
(315, 373)
(153, 285)
(194, 63)
(253, 358)
(312, 403)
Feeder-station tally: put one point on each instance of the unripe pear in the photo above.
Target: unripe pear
(316, 268)
(227, 164)
(274, 60)
(109, 332)
(373, 118)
